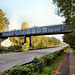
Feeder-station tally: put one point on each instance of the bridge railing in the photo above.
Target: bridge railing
(35, 31)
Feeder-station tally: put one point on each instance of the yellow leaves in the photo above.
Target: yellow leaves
(43, 41)
(4, 22)
(25, 26)
(27, 42)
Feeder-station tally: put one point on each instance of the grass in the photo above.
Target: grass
(10, 52)
(24, 50)
(73, 50)
(6, 52)
(14, 51)
(50, 69)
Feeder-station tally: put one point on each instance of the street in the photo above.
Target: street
(9, 60)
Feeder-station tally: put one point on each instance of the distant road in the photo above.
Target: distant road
(11, 59)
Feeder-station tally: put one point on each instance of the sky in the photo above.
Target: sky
(34, 12)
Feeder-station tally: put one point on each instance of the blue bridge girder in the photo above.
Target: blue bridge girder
(44, 30)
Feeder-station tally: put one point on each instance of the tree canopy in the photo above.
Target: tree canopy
(25, 26)
(66, 8)
(70, 39)
(4, 22)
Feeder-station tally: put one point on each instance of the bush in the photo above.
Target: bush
(24, 48)
(2, 48)
(55, 55)
(47, 71)
(30, 66)
(58, 53)
(38, 65)
(19, 70)
(15, 47)
(48, 59)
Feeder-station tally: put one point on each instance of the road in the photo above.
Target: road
(11, 59)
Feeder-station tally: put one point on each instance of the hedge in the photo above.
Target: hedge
(11, 48)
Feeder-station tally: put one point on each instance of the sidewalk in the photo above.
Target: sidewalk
(72, 63)
(67, 66)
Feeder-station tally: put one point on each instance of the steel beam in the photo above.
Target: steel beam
(24, 39)
(30, 41)
(44, 30)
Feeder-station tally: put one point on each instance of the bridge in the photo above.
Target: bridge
(44, 30)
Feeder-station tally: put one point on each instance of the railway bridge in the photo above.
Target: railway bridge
(44, 30)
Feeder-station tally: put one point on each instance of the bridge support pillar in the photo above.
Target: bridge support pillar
(24, 39)
(30, 41)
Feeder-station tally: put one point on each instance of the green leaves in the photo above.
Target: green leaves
(67, 9)
(19, 70)
(38, 65)
(70, 39)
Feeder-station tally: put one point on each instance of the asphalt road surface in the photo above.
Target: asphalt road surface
(11, 59)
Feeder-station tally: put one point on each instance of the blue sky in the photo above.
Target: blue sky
(34, 12)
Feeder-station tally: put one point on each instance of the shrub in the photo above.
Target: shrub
(58, 53)
(39, 45)
(15, 47)
(1, 48)
(19, 70)
(30, 66)
(38, 65)
(55, 55)
(44, 58)
(51, 58)
(47, 71)
(24, 48)
(48, 59)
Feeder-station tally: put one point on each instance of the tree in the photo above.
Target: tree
(14, 40)
(67, 9)
(43, 41)
(70, 39)
(4, 23)
(25, 26)
(56, 41)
